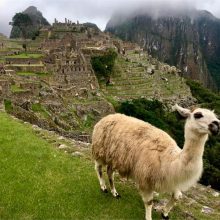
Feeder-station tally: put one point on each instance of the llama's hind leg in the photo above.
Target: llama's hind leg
(174, 198)
(98, 168)
(110, 173)
(147, 197)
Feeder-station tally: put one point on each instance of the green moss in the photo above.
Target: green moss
(16, 89)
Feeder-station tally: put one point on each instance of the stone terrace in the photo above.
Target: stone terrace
(139, 75)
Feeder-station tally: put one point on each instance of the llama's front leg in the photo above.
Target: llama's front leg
(148, 203)
(174, 198)
(110, 173)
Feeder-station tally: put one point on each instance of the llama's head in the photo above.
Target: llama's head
(200, 120)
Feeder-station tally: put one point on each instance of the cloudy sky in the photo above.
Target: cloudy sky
(96, 11)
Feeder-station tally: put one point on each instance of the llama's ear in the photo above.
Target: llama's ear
(182, 111)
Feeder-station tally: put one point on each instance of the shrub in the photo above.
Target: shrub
(8, 105)
(103, 65)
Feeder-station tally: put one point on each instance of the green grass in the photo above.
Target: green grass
(37, 107)
(15, 88)
(40, 182)
(25, 55)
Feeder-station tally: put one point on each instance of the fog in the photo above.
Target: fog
(99, 11)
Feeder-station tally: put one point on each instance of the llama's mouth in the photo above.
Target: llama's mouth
(214, 128)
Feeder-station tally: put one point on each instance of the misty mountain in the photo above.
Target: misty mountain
(37, 21)
(187, 39)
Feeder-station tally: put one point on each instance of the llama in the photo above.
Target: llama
(150, 157)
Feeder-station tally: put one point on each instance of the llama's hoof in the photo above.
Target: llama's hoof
(104, 190)
(165, 217)
(117, 196)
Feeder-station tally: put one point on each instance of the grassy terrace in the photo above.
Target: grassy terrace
(15, 88)
(25, 55)
(40, 74)
(131, 80)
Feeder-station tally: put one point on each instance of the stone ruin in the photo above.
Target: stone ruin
(4, 87)
(67, 49)
(2, 69)
(30, 86)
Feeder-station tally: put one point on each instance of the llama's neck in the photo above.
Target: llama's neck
(193, 147)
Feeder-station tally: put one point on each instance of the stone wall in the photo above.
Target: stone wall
(27, 68)
(34, 88)
(10, 60)
(4, 87)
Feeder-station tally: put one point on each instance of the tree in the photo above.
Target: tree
(22, 21)
(103, 65)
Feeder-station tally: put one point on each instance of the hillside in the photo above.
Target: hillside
(188, 41)
(43, 177)
(137, 75)
(53, 83)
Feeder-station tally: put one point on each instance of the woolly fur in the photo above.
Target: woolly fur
(144, 153)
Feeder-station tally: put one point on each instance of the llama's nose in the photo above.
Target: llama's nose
(214, 127)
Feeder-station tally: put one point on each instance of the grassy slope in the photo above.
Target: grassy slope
(40, 182)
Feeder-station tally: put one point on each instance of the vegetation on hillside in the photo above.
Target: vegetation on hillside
(103, 65)
(23, 22)
(153, 112)
(211, 100)
(212, 55)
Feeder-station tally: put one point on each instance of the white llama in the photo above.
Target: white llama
(149, 156)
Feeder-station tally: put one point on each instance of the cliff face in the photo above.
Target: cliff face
(188, 41)
(37, 21)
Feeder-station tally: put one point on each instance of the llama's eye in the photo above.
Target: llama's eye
(198, 115)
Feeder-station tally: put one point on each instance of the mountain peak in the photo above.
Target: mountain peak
(30, 9)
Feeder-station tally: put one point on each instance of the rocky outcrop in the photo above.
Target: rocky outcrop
(189, 41)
